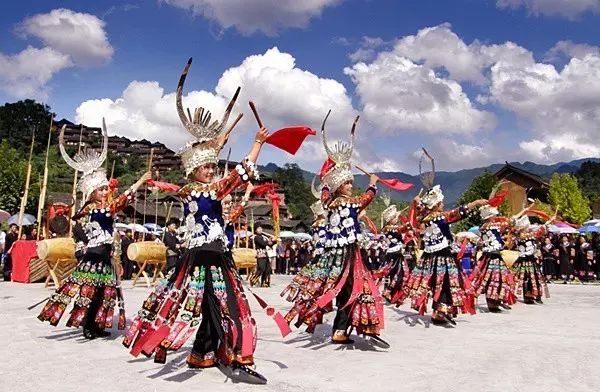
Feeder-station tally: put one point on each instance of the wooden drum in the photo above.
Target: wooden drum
(147, 251)
(510, 256)
(56, 249)
(244, 258)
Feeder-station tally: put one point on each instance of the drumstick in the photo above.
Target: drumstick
(260, 124)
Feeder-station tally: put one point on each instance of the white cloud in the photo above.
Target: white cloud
(569, 49)
(561, 108)
(367, 50)
(24, 75)
(398, 94)
(79, 35)
(251, 16)
(569, 9)
(284, 95)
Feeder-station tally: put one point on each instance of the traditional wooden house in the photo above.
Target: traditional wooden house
(521, 185)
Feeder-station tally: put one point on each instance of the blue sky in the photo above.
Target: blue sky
(474, 81)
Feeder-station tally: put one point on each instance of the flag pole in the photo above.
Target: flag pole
(26, 191)
(42, 199)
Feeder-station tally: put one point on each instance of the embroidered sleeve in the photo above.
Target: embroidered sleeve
(243, 173)
(366, 198)
(457, 214)
(122, 201)
(235, 212)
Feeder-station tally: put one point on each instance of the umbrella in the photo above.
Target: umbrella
(589, 229)
(153, 227)
(562, 229)
(303, 236)
(592, 222)
(4, 216)
(467, 234)
(287, 234)
(121, 226)
(137, 227)
(28, 220)
(474, 230)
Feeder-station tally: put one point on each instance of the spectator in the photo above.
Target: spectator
(11, 238)
(173, 245)
(128, 265)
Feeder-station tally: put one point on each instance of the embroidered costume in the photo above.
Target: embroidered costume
(93, 284)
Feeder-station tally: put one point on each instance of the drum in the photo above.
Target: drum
(244, 258)
(56, 249)
(510, 256)
(147, 251)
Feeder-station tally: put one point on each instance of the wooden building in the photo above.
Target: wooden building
(521, 185)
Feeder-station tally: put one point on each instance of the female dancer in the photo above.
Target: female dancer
(94, 281)
(395, 289)
(491, 273)
(437, 273)
(204, 296)
(529, 278)
(343, 274)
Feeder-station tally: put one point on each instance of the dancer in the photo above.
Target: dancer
(394, 290)
(307, 285)
(528, 276)
(343, 274)
(491, 275)
(204, 296)
(437, 273)
(94, 283)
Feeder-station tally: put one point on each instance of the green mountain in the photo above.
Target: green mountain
(455, 183)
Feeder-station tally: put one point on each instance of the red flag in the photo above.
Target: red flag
(396, 184)
(164, 186)
(498, 199)
(539, 214)
(260, 190)
(289, 139)
(327, 165)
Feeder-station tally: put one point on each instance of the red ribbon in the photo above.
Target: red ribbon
(164, 186)
(289, 139)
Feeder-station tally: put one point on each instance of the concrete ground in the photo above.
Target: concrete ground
(550, 347)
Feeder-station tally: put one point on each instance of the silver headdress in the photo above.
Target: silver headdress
(209, 138)
(390, 212)
(341, 154)
(89, 162)
(433, 194)
(317, 206)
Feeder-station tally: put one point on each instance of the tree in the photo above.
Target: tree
(565, 194)
(13, 171)
(297, 191)
(481, 187)
(19, 120)
(588, 176)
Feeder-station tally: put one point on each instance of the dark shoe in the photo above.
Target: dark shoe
(377, 341)
(539, 301)
(495, 310)
(89, 334)
(437, 321)
(243, 373)
(449, 318)
(505, 306)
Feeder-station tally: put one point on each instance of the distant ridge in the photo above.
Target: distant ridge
(455, 183)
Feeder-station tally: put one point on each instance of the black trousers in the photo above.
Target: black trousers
(172, 262)
(90, 318)
(342, 317)
(263, 270)
(7, 267)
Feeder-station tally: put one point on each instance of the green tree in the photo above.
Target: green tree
(20, 119)
(297, 191)
(13, 171)
(588, 176)
(565, 194)
(481, 187)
